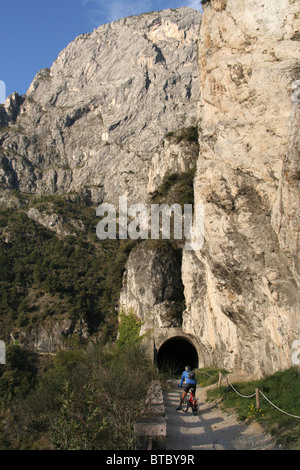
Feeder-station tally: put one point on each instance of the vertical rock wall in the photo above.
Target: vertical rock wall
(242, 288)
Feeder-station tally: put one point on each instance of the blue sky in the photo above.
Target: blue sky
(33, 32)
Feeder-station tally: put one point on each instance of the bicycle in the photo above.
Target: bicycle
(190, 401)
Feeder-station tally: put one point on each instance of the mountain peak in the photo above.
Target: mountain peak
(98, 115)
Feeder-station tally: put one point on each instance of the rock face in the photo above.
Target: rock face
(95, 120)
(153, 286)
(242, 289)
(11, 109)
(47, 339)
(104, 121)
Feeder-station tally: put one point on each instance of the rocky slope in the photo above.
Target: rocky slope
(95, 120)
(109, 118)
(242, 289)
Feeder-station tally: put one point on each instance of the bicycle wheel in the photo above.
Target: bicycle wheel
(185, 404)
(195, 407)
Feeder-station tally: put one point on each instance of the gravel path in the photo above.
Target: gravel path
(212, 429)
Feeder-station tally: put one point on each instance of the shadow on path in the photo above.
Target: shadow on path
(212, 429)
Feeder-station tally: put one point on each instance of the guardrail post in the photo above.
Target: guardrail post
(227, 383)
(257, 399)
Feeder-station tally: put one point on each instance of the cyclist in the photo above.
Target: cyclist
(190, 383)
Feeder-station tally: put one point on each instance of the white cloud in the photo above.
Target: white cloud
(101, 11)
(106, 11)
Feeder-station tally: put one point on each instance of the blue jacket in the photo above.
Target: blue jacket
(185, 375)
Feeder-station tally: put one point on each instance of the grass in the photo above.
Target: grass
(282, 389)
(208, 376)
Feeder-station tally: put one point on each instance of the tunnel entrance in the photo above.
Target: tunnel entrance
(175, 354)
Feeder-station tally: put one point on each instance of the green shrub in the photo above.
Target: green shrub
(176, 188)
(88, 400)
(129, 329)
(186, 134)
(18, 375)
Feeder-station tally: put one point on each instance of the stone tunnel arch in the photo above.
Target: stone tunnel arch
(176, 353)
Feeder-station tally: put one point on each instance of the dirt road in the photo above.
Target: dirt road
(212, 429)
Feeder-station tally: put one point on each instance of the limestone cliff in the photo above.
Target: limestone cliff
(242, 288)
(95, 120)
(109, 118)
(153, 286)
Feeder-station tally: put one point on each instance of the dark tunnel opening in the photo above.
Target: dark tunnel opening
(175, 354)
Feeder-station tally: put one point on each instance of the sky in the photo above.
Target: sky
(33, 32)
